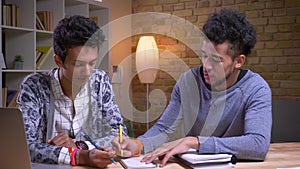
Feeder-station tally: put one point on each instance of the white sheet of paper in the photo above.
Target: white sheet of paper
(135, 162)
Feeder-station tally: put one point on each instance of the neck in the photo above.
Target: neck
(229, 81)
(68, 89)
(231, 78)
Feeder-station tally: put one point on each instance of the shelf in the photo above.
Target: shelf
(13, 28)
(25, 38)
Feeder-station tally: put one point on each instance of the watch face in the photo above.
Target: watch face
(81, 145)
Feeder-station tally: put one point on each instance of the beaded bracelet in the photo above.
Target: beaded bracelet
(70, 151)
(73, 162)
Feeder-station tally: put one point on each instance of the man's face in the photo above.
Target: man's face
(218, 66)
(79, 64)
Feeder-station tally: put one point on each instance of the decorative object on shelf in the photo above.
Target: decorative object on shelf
(18, 62)
(147, 63)
(3, 64)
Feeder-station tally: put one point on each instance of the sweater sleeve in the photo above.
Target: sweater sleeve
(162, 130)
(107, 116)
(254, 143)
(32, 93)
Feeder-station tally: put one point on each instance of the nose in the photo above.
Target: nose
(86, 70)
(207, 63)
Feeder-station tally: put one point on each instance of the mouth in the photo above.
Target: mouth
(206, 76)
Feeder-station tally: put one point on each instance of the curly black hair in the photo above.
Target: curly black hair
(231, 26)
(75, 31)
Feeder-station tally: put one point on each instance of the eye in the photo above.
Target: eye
(203, 55)
(92, 63)
(78, 64)
(216, 59)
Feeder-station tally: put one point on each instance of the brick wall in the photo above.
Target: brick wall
(275, 57)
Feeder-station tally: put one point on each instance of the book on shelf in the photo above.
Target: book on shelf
(39, 23)
(4, 96)
(95, 19)
(10, 15)
(46, 18)
(12, 96)
(42, 53)
(135, 163)
(9, 97)
(3, 63)
(6, 14)
(192, 159)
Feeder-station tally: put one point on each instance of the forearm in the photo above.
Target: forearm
(44, 153)
(250, 147)
(159, 134)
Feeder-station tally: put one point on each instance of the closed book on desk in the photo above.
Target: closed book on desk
(193, 159)
(135, 163)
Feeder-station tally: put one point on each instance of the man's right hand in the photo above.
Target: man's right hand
(128, 146)
(95, 158)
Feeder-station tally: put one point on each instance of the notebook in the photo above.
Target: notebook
(135, 163)
(195, 160)
(14, 150)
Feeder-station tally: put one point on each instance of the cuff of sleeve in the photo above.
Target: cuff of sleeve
(64, 156)
(91, 146)
(207, 144)
(147, 145)
(137, 153)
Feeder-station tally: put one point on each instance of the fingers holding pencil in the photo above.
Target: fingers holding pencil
(123, 147)
(121, 139)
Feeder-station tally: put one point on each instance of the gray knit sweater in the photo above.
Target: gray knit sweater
(236, 121)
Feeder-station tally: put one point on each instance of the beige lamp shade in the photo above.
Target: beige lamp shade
(147, 59)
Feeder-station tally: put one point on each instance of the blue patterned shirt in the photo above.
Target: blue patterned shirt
(36, 101)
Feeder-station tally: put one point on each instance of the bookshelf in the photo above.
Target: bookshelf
(24, 36)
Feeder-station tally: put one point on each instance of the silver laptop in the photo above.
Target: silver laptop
(14, 152)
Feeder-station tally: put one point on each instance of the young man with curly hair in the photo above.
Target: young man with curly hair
(62, 106)
(224, 108)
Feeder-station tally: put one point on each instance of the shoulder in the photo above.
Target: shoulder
(255, 79)
(99, 80)
(99, 75)
(37, 79)
(193, 75)
(189, 80)
(195, 72)
(254, 83)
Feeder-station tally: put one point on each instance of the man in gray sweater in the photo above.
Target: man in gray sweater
(224, 109)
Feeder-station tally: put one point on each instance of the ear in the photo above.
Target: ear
(240, 61)
(58, 61)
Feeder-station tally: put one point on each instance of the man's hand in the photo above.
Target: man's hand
(63, 140)
(128, 146)
(167, 150)
(95, 158)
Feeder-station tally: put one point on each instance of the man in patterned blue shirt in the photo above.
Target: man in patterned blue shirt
(75, 99)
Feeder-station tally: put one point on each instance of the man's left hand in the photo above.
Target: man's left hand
(167, 150)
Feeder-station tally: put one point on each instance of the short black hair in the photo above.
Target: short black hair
(233, 27)
(75, 31)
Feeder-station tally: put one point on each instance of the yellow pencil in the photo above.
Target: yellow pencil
(121, 137)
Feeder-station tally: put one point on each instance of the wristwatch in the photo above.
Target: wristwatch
(81, 145)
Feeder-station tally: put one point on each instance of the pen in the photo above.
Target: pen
(97, 147)
(121, 138)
